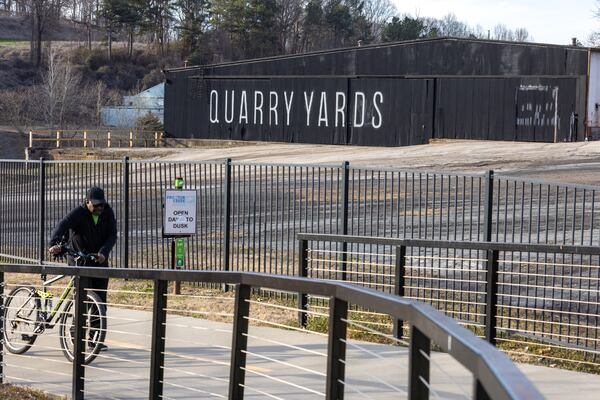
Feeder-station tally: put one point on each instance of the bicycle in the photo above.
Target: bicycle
(28, 312)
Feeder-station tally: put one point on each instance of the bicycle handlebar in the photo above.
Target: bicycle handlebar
(77, 255)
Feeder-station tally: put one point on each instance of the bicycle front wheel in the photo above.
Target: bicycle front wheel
(21, 319)
(94, 328)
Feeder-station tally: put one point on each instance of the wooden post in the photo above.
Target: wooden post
(84, 138)
(108, 143)
(57, 139)
(155, 139)
(30, 139)
(130, 139)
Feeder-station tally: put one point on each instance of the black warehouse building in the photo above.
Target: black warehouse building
(392, 94)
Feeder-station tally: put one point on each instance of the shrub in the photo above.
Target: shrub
(149, 122)
(153, 78)
(95, 60)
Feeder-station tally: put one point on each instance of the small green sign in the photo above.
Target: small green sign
(179, 183)
(179, 253)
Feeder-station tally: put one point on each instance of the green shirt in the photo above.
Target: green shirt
(96, 218)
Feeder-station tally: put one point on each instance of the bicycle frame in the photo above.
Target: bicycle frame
(61, 300)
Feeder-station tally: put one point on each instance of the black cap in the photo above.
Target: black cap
(96, 195)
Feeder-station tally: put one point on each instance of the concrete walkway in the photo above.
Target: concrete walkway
(281, 364)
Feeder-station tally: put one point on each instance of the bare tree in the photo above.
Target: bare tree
(377, 13)
(60, 84)
(15, 107)
(43, 14)
(288, 19)
(501, 32)
(451, 26)
(522, 35)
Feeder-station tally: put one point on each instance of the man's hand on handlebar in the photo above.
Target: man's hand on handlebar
(100, 258)
(55, 250)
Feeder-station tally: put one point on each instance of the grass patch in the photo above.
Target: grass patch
(12, 41)
(12, 392)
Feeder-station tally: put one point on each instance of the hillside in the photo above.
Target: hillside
(19, 28)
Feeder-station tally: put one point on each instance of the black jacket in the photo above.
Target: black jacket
(84, 235)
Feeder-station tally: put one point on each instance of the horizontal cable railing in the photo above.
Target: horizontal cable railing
(538, 302)
(494, 375)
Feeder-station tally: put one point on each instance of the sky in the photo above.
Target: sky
(547, 21)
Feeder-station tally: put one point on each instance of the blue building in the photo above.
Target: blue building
(134, 107)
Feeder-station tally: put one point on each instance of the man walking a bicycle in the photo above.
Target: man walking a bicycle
(91, 229)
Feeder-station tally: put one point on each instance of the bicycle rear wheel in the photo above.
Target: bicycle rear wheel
(94, 327)
(21, 318)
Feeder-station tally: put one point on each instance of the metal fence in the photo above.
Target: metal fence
(490, 374)
(249, 214)
(534, 301)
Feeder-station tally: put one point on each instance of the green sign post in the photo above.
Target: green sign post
(179, 253)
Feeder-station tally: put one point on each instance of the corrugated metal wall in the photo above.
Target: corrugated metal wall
(389, 95)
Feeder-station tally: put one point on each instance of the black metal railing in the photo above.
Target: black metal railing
(524, 298)
(494, 375)
(249, 213)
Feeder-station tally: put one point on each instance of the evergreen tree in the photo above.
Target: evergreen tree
(407, 28)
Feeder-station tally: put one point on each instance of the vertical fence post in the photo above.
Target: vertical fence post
(336, 349)
(125, 207)
(489, 206)
(303, 273)
(57, 139)
(239, 344)
(399, 286)
(157, 355)
(81, 282)
(345, 190)
(176, 284)
(418, 365)
(479, 392)
(42, 211)
(227, 219)
(491, 296)
(30, 139)
(84, 138)
(108, 139)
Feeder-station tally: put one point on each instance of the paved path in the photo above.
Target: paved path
(197, 365)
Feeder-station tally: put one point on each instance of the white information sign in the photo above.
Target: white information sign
(180, 213)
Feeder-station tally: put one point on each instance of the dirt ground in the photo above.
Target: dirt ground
(12, 144)
(565, 162)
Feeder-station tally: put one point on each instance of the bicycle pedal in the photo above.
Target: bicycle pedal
(26, 337)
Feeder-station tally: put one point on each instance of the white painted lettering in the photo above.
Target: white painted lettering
(362, 107)
(323, 110)
(379, 120)
(340, 105)
(229, 120)
(258, 106)
(214, 107)
(273, 106)
(243, 107)
(288, 105)
(308, 105)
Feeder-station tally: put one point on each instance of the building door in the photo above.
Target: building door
(537, 117)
